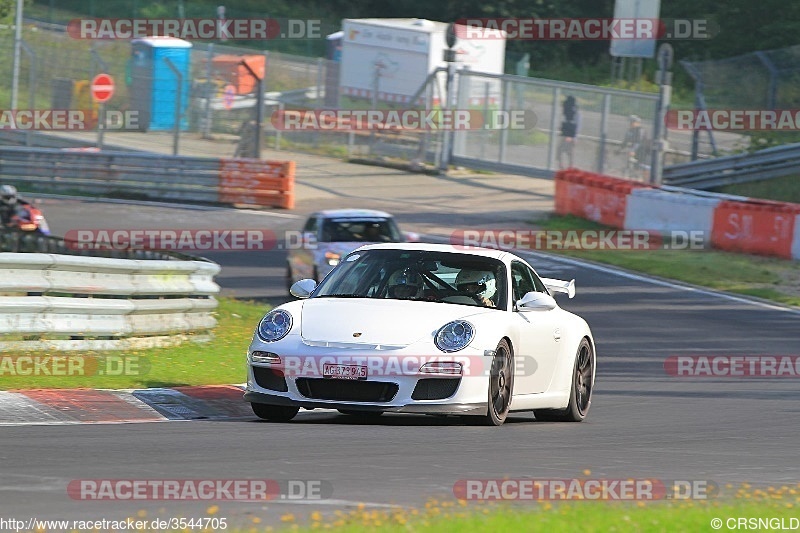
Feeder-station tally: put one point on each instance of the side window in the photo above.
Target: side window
(311, 225)
(537, 283)
(522, 280)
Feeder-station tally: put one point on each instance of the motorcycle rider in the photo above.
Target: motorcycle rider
(10, 204)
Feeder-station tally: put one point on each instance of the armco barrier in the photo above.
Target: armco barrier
(151, 176)
(256, 182)
(758, 227)
(662, 211)
(75, 302)
(594, 197)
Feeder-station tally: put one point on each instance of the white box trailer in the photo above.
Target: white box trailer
(397, 55)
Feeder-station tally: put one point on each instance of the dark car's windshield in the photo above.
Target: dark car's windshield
(418, 275)
(360, 230)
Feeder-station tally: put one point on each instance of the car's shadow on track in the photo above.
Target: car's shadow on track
(391, 419)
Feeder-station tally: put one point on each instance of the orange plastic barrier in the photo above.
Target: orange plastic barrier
(230, 69)
(257, 182)
(593, 196)
(756, 227)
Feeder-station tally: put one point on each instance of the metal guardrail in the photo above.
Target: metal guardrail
(141, 174)
(151, 176)
(773, 162)
(13, 240)
(63, 302)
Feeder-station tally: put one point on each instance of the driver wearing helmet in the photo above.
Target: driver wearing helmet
(10, 204)
(405, 284)
(480, 284)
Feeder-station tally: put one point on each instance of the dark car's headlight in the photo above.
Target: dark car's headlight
(454, 336)
(274, 326)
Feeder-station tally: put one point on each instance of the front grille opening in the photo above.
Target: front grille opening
(270, 378)
(435, 388)
(346, 390)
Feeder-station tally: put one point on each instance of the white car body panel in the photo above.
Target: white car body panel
(325, 327)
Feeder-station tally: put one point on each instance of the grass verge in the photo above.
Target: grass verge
(763, 277)
(784, 189)
(218, 361)
(593, 516)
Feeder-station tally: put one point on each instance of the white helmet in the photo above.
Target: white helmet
(477, 283)
(8, 194)
(404, 284)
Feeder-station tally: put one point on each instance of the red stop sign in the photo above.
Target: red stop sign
(102, 88)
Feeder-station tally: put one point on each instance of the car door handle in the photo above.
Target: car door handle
(557, 334)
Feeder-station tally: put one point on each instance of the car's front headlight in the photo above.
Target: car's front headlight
(454, 336)
(274, 326)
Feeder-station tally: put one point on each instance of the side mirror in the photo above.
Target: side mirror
(303, 288)
(536, 301)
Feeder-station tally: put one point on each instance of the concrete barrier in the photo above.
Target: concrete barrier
(661, 211)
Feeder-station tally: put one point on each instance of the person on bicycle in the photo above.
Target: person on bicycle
(570, 125)
(634, 136)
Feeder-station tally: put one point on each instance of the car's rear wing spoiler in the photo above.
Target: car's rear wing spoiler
(557, 285)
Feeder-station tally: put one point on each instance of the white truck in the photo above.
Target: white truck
(396, 55)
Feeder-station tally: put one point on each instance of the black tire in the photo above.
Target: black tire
(580, 397)
(363, 415)
(501, 387)
(274, 413)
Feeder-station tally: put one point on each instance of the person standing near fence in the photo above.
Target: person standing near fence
(570, 125)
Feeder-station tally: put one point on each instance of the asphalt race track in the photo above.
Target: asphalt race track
(644, 423)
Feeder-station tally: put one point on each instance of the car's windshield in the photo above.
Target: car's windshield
(418, 275)
(360, 230)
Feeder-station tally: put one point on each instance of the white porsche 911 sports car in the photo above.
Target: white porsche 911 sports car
(424, 328)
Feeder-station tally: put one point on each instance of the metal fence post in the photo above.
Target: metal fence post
(601, 154)
(281, 107)
(177, 128)
(259, 106)
(485, 131)
(31, 86)
(320, 78)
(209, 91)
(665, 55)
(503, 131)
(551, 149)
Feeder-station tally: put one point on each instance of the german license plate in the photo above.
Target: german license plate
(344, 371)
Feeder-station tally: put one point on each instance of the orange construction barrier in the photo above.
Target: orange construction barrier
(256, 182)
(755, 227)
(593, 196)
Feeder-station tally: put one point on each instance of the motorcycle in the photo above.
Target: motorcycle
(29, 218)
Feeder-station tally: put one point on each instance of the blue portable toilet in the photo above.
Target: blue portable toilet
(154, 86)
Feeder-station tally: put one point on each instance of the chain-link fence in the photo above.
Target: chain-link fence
(219, 101)
(767, 79)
